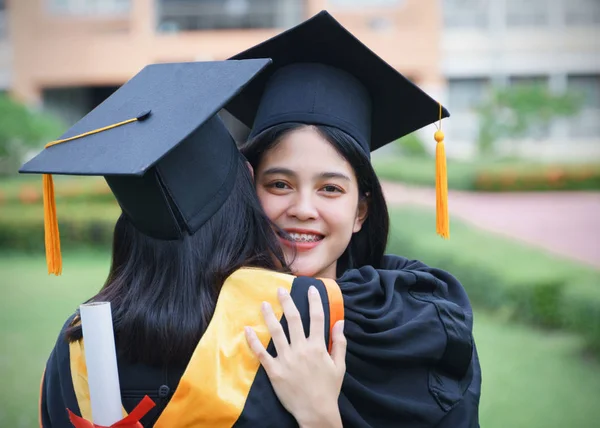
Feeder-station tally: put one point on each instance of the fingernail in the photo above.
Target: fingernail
(339, 327)
(248, 330)
(312, 290)
(265, 306)
(281, 291)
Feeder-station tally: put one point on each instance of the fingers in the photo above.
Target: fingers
(338, 346)
(259, 350)
(275, 329)
(292, 316)
(317, 316)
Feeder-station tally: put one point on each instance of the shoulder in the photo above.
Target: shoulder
(411, 275)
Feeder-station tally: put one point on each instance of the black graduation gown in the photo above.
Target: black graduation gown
(411, 360)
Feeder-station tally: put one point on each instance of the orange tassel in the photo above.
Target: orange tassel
(51, 233)
(441, 187)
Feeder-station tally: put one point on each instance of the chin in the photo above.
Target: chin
(304, 271)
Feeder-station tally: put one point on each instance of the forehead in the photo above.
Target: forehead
(305, 149)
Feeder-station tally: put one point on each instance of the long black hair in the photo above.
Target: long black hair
(367, 246)
(163, 293)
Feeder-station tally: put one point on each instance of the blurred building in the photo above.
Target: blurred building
(507, 42)
(5, 50)
(69, 55)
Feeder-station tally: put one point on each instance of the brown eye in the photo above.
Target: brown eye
(331, 189)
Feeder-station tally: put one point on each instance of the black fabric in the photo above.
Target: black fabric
(137, 381)
(408, 362)
(322, 95)
(57, 393)
(172, 171)
(377, 105)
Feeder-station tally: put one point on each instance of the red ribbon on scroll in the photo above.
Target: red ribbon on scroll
(130, 421)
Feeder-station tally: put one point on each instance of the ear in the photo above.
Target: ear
(250, 169)
(362, 212)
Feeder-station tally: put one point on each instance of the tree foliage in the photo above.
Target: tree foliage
(22, 128)
(522, 111)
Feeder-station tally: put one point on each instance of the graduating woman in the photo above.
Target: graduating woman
(315, 116)
(194, 257)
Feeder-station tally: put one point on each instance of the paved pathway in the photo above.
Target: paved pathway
(567, 224)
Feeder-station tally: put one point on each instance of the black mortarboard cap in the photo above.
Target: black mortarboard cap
(323, 74)
(159, 143)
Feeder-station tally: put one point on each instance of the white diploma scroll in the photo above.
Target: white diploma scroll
(101, 362)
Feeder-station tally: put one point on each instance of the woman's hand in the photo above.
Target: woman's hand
(306, 379)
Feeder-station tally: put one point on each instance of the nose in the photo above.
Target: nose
(303, 207)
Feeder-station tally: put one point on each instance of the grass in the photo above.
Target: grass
(533, 378)
(530, 377)
(32, 310)
(414, 230)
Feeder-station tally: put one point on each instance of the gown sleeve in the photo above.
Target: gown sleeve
(411, 358)
(57, 393)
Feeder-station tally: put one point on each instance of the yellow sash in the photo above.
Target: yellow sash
(214, 387)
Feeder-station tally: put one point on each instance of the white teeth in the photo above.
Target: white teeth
(303, 237)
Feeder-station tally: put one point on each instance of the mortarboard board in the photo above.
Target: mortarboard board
(159, 143)
(322, 74)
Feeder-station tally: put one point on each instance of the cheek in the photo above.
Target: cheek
(273, 205)
(341, 217)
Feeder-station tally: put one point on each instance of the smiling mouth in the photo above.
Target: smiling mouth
(303, 237)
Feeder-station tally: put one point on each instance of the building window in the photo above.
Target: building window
(586, 124)
(464, 97)
(193, 15)
(88, 7)
(466, 13)
(582, 12)
(467, 94)
(527, 13)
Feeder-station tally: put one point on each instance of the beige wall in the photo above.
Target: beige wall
(51, 51)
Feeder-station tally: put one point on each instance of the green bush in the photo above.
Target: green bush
(27, 189)
(420, 171)
(80, 224)
(522, 282)
(491, 175)
(412, 146)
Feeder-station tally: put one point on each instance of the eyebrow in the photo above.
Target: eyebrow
(290, 173)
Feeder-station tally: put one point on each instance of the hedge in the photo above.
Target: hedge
(80, 223)
(523, 282)
(27, 190)
(492, 176)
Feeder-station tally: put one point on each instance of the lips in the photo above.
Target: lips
(302, 239)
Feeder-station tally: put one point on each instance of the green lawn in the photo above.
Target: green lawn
(531, 378)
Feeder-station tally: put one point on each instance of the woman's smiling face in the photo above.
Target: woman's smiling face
(309, 190)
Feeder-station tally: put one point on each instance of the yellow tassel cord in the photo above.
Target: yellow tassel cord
(441, 184)
(51, 232)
